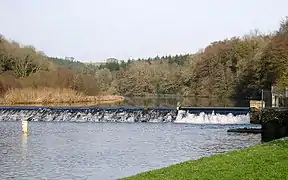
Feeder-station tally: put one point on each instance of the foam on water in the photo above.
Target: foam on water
(202, 118)
(93, 115)
(120, 115)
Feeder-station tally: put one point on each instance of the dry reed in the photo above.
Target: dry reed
(53, 95)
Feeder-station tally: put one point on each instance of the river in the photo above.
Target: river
(110, 150)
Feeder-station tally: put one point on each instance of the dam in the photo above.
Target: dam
(127, 114)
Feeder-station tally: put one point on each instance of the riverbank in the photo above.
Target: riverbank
(46, 96)
(265, 161)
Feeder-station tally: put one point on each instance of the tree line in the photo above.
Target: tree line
(236, 67)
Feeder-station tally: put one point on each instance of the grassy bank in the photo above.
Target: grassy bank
(265, 161)
(28, 96)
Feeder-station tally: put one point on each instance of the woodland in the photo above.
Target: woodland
(236, 67)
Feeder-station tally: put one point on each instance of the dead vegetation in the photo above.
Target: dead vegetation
(52, 96)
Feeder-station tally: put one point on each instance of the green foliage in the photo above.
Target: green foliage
(274, 124)
(68, 63)
(267, 161)
(279, 116)
(114, 65)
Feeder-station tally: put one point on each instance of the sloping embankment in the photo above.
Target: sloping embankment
(265, 161)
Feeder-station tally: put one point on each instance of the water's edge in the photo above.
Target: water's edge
(126, 114)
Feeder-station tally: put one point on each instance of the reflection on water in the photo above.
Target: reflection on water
(107, 150)
(168, 101)
(185, 101)
(24, 139)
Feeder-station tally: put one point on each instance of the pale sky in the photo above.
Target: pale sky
(94, 30)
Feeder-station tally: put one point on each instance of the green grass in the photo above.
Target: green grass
(265, 161)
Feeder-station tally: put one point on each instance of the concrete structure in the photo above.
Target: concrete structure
(257, 104)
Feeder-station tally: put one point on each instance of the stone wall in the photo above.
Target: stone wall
(255, 116)
(274, 123)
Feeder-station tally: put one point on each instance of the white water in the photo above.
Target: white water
(124, 116)
(77, 116)
(202, 118)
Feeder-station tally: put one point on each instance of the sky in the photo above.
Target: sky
(94, 30)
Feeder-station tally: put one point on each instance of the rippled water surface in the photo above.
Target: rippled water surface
(55, 150)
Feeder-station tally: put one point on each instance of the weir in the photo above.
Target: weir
(217, 110)
(195, 115)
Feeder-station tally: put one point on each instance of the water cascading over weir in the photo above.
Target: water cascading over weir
(194, 115)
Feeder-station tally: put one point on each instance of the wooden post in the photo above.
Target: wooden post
(178, 105)
(262, 99)
(24, 127)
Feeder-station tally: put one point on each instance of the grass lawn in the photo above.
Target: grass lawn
(265, 161)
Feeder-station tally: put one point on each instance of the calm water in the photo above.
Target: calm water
(107, 150)
(171, 101)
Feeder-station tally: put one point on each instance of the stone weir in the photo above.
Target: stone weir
(87, 114)
(198, 115)
(217, 110)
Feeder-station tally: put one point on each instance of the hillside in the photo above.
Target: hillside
(26, 73)
(237, 67)
(68, 63)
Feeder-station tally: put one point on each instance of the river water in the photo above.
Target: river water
(110, 150)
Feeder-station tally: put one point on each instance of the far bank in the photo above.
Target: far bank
(55, 96)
